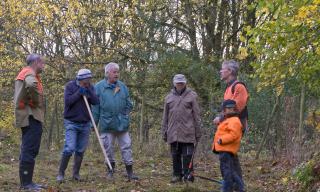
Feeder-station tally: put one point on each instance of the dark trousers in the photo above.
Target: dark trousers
(30, 145)
(181, 157)
(229, 167)
(31, 138)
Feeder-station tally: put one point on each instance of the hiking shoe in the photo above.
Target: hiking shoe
(176, 179)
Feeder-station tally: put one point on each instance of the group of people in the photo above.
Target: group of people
(110, 108)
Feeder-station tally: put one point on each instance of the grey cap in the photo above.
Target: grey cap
(84, 74)
(179, 78)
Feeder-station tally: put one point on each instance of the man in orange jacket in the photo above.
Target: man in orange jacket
(227, 143)
(29, 117)
(235, 90)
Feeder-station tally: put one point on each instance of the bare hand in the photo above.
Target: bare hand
(216, 120)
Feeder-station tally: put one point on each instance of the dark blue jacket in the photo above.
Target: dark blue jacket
(75, 109)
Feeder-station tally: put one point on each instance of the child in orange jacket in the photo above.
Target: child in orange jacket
(227, 143)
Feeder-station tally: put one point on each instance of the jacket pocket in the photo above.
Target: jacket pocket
(124, 122)
(107, 122)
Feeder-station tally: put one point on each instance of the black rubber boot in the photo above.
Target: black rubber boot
(63, 165)
(177, 168)
(26, 174)
(76, 166)
(130, 174)
(109, 171)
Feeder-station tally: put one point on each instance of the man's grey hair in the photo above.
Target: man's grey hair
(110, 66)
(33, 58)
(232, 65)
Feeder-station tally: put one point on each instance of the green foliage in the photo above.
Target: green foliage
(303, 173)
(7, 120)
(286, 44)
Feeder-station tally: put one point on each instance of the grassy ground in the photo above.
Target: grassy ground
(154, 169)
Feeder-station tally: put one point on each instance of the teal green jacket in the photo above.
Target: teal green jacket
(112, 114)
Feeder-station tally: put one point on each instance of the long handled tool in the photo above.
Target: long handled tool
(97, 133)
(191, 172)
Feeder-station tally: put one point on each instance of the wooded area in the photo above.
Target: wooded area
(276, 43)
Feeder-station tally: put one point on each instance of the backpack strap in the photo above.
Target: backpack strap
(244, 113)
(234, 86)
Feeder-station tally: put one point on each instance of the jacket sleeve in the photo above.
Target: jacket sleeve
(31, 84)
(196, 117)
(234, 128)
(96, 107)
(129, 105)
(164, 126)
(93, 98)
(70, 96)
(240, 96)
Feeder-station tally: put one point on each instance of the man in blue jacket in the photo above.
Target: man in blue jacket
(77, 121)
(112, 114)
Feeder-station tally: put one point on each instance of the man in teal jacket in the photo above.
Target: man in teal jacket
(112, 115)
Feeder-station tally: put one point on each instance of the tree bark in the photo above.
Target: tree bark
(301, 119)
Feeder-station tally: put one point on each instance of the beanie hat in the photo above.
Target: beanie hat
(228, 103)
(179, 78)
(84, 74)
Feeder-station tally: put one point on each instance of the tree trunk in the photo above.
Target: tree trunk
(141, 126)
(301, 119)
(192, 32)
(218, 38)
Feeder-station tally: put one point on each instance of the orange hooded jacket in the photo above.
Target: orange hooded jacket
(230, 133)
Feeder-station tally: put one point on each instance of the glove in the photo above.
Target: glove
(219, 141)
(84, 91)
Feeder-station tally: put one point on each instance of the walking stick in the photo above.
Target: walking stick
(192, 174)
(97, 133)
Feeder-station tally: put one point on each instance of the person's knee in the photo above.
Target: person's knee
(174, 148)
(68, 150)
(77, 153)
(27, 157)
(126, 146)
(67, 153)
(187, 150)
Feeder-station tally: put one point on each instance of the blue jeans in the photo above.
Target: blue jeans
(76, 137)
(229, 172)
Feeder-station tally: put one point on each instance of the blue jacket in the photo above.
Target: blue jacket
(112, 114)
(75, 109)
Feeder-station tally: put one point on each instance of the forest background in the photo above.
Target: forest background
(276, 43)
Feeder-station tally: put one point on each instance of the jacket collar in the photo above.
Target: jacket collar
(231, 82)
(235, 114)
(109, 85)
(174, 92)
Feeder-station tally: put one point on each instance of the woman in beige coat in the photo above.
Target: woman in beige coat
(181, 126)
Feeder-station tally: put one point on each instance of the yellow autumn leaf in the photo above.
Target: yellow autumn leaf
(242, 38)
(242, 53)
(303, 12)
(279, 89)
(285, 180)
